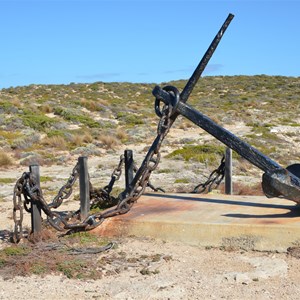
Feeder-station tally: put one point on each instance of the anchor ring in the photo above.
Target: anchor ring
(175, 98)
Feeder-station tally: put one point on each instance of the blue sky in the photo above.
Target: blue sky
(58, 42)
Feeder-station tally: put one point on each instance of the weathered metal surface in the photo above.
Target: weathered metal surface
(204, 61)
(36, 218)
(210, 220)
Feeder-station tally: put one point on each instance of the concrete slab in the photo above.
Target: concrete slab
(247, 222)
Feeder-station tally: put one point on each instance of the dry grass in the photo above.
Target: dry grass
(55, 142)
(91, 105)
(79, 139)
(46, 109)
(5, 160)
(121, 134)
(185, 124)
(16, 103)
(109, 142)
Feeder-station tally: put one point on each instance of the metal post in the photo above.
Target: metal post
(84, 187)
(128, 167)
(36, 218)
(228, 171)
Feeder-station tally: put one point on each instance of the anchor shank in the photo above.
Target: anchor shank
(226, 137)
(204, 61)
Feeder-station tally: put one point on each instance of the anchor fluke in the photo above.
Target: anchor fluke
(283, 183)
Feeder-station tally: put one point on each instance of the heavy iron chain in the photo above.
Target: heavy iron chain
(125, 200)
(18, 210)
(149, 184)
(214, 179)
(123, 203)
(27, 186)
(101, 197)
(67, 189)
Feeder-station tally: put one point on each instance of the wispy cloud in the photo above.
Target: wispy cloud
(211, 68)
(178, 70)
(99, 76)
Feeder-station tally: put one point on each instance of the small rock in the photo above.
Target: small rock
(242, 278)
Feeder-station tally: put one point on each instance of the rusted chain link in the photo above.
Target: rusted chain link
(67, 189)
(214, 179)
(149, 184)
(101, 198)
(18, 210)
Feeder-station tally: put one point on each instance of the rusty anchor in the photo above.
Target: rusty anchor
(276, 180)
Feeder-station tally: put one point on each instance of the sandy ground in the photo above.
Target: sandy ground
(188, 273)
(182, 272)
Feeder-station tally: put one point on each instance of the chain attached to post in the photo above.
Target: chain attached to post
(101, 198)
(214, 179)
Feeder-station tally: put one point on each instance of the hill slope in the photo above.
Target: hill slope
(54, 124)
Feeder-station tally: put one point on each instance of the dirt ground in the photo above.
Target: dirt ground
(144, 268)
(181, 272)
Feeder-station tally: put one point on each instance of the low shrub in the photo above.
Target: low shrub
(108, 141)
(71, 116)
(5, 160)
(200, 153)
(55, 142)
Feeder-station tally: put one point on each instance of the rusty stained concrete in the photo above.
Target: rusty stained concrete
(211, 220)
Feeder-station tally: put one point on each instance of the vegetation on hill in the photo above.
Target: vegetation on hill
(50, 122)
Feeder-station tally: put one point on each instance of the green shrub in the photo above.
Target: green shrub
(70, 116)
(37, 122)
(73, 268)
(181, 180)
(7, 180)
(129, 119)
(15, 251)
(200, 153)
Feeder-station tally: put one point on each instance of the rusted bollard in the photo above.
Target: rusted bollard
(228, 171)
(36, 217)
(84, 187)
(128, 155)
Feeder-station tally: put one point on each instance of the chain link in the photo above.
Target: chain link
(18, 210)
(67, 189)
(101, 198)
(214, 179)
(27, 186)
(149, 184)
